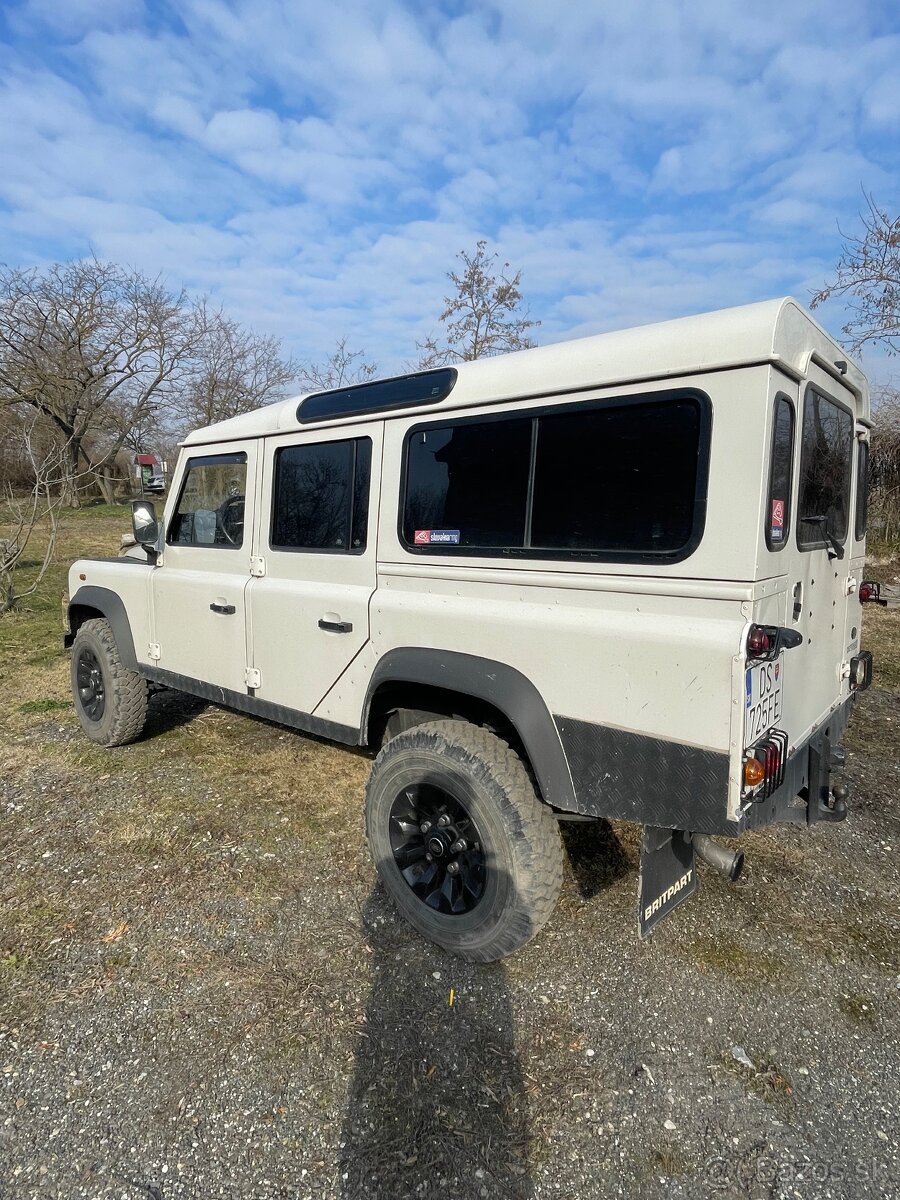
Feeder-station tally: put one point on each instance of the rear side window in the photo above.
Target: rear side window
(614, 480)
(862, 491)
(321, 496)
(467, 484)
(210, 509)
(825, 468)
(778, 512)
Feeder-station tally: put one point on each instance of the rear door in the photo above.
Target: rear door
(309, 610)
(810, 530)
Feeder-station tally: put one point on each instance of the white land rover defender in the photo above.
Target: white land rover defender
(618, 577)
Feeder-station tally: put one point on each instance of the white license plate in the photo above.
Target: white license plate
(764, 699)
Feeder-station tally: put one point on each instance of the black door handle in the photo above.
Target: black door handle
(336, 626)
(227, 609)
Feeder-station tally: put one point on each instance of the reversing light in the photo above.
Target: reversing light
(754, 773)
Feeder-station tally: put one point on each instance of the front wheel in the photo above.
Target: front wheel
(110, 700)
(468, 852)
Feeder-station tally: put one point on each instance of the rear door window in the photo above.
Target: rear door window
(321, 500)
(825, 471)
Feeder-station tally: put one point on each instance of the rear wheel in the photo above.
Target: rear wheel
(470, 855)
(110, 700)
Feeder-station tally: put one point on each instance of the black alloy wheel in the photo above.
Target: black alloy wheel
(463, 844)
(89, 681)
(438, 849)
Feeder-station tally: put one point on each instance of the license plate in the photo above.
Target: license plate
(765, 703)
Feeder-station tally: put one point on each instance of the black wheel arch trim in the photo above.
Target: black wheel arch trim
(494, 683)
(110, 605)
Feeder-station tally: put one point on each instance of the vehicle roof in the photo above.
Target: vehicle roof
(780, 332)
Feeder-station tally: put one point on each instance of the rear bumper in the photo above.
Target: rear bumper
(627, 776)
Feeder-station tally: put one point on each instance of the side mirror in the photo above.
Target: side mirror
(144, 523)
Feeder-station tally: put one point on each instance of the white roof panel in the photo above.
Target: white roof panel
(774, 331)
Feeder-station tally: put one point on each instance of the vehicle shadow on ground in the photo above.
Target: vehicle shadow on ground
(169, 710)
(437, 1104)
(595, 854)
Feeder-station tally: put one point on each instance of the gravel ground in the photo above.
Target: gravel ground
(204, 994)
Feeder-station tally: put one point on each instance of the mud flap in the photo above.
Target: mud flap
(667, 875)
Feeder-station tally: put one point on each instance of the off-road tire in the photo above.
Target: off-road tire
(519, 834)
(125, 693)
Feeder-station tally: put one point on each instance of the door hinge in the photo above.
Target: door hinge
(257, 566)
(252, 677)
(153, 651)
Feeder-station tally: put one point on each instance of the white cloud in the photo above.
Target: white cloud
(317, 167)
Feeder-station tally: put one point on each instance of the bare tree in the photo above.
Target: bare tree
(232, 371)
(94, 348)
(868, 273)
(341, 368)
(484, 316)
(24, 516)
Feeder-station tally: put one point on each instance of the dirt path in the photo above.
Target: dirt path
(203, 994)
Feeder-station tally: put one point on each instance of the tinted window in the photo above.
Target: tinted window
(210, 510)
(406, 391)
(467, 485)
(778, 511)
(862, 491)
(321, 496)
(825, 464)
(617, 479)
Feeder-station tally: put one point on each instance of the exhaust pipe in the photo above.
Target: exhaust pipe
(727, 862)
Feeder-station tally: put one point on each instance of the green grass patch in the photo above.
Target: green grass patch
(44, 706)
(859, 1008)
(738, 961)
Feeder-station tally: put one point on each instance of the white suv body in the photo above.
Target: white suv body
(634, 558)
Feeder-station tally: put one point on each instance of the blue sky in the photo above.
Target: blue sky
(316, 167)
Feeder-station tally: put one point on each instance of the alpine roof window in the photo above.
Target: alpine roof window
(404, 391)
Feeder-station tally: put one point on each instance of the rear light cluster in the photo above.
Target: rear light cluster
(765, 642)
(761, 641)
(870, 593)
(766, 764)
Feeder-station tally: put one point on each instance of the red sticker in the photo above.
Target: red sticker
(422, 538)
(777, 514)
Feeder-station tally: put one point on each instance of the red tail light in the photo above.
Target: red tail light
(870, 592)
(762, 641)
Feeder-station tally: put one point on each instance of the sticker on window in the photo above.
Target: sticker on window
(436, 537)
(777, 527)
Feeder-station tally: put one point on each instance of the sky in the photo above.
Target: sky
(315, 168)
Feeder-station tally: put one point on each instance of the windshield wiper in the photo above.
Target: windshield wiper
(835, 549)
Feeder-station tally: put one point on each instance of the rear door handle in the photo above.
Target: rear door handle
(336, 626)
(227, 609)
